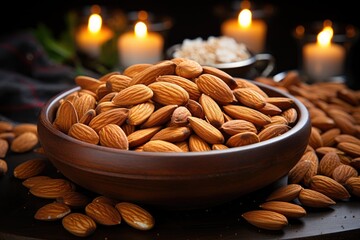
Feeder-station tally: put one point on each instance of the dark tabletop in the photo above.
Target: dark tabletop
(18, 206)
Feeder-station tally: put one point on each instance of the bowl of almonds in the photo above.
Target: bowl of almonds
(174, 134)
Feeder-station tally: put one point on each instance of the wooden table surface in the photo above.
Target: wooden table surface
(18, 206)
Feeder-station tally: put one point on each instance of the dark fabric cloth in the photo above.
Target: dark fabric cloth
(28, 78)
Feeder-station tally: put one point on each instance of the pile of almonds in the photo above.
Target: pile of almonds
(79, 214)
(175, 105)
(328, 171)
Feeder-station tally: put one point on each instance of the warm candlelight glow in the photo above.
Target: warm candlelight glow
(245, 29)
(140, 29)
(245, 18)
(95, 23)
(323, 59)
(94, 34)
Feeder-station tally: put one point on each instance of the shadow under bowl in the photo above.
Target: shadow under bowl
(174, 180)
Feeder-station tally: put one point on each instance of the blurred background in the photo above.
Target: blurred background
(53, 24)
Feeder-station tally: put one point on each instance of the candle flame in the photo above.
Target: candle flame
(325, 36)
(140, 29)
(245, 17)
(95, 22)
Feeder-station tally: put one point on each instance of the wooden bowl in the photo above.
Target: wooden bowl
(174, 180)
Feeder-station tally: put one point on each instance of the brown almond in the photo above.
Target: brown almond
(66, 116)
(4, 147)
(183, 145)
(114, 116)
(160, 146)
(289, 210)
(216, 88)
(197, 144)
(212, 110)
(298, 172)
(139, 113)
(84, 133)
(270, 109)
(136, 216)
(285, 193)
(173, 134)
(24, 127)
(353, 185)
(248, 114)
(30, 168)
(88, 83)
(323, 122)
(32, 181)
(233, 127)
(329, 187)
(106, 76)
(273, 131)
(281, 102)
(51, 188)
(347, 138)
(290, 114)
(179, 116)
(328, 163)
(6, 126)
(52, 211)
(218, 146)
(227, 78)
(160, 116)
(188, 85)
(141, 136)
(86, 118)
(73, 199)
(24, 142)
(315, 140)
(83, 104)
(205, 130)
(329, 136)
(315, 199)
(103, 213)
(134, 94)
(3, 167)
(117, 82)
(195, 109)
(351, 149)
(188, 69)
(134, 69)
(266, 219)
(343, 172)
(105, 199)
(79, 224)
(149, 74)
(249, 97)
(112, 135)
(242, 139)
(167, 93)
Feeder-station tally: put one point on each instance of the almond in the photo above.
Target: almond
(88, 83)
(248, 114)
(328, 163)
(188, 85)
(136, 216)
(160, 116)
(134, 94)
(227, 78)
(32, 181)
(139, 113)
(173, 134)
(73, 199)
(315, 199)
(314, 165)
(285, 193)
(160, 146)
(281, 102)
(66, 116)
(106, 76)
(183, 145)
(24, 142)
(188, 69)
(206, 131)
(117, 82)
(289, 210)
(315, 140)
(290, 114)
(273, 131)
(103, 213)
(343, 172)
(249, 97)
(134, 69)
(218, 146)
(353, 185)
(113, 136)
(298, 172)
(139, 137)
(4, 147)
(167, 93)
(347, 138)
(84, 133)
(24, 127)
(323, 122)
(51, 188)
(6, 126)
(216, 88)
(195, 109)
(102, 91)
(79, 224)
(351, 149)
(242, 139)
(266, 219)
(271, 109)
(30, 168)
(179, 116)
(87, 117)
(233, 127)
(52, 211)
(105, 199)
(212, 110)
(83, 104)
(197, 144)
(3, 167)
(149, 74)
(329, 187)
(114, 116)
(329, 136)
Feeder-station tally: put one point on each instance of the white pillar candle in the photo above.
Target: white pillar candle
(90, 38)
(251, 32)
(323, 59)
(140, 46)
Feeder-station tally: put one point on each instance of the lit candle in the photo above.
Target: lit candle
(140, 46)
(323, 59)
(245, 29)
(91, 37)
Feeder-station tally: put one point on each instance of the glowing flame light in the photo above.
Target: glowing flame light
(325, 36)
(245, 17)
(140, 29)
(95, 22)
